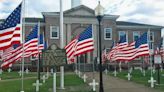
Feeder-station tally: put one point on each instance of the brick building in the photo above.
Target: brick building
(78, 18)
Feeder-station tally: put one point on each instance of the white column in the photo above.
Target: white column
(88, 57)
(64, 35)
(61, 77)
(95, 40)
(61, 25)
(69, 33)
(54, 82)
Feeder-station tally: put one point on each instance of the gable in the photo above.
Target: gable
(80, 10)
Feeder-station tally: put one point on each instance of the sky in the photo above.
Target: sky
(140, 11)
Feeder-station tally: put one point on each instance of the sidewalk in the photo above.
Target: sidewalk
(113, 84)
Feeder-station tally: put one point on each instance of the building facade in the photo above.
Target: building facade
(78, 18)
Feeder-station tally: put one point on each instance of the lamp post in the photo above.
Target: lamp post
(99, 13)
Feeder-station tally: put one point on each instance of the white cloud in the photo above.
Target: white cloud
(142, 11)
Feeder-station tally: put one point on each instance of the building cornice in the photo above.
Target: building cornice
(138, 27)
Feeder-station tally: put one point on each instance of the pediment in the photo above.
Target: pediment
(80, 10)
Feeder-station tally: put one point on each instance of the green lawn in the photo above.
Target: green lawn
(139, 78)
(15, 75)
(72, 84)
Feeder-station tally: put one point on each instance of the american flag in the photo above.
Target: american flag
(10, 29)
(104, 56)
(12, 56)
(70, 51)
(41, 42)
(110, 53)
(41, 46)
(134, 50)
(31, 42)
(116, 49)
(159, 49)
(7, 52)
(85, 42)
(30, 46)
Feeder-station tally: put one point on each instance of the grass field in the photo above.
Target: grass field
(15, 75)
(138, 77)
(72, 84)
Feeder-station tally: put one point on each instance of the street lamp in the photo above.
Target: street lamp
(99, 13)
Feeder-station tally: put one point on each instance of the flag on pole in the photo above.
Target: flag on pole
(12, 56)
(80, 45)
(31, 42)
(159, 49)
(104, 56)
(10, 29)
(7, 52)
(136, 49)
(116, 49)
(85, 42)
(110, 53)
(70, 51)
(41, 42)
(41, 46)
(30, 48)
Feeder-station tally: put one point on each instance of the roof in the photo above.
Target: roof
(30, 19)
(35, 20)
(79, 7)
(91, 13)
(125, 23)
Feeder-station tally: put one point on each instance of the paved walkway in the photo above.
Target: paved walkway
(113, 84)
(17, 79)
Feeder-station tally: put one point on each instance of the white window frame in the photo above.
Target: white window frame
(136, 32)
(153, 36)
(151, 47)
(105, 38)
(126, 33)
(32, 58)
(107, 50)
(51, 27)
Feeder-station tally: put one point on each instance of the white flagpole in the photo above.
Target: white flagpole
(47, 68)
(38, 51)
(61, 25)
(43, 40)
(47, 42)
(150, 51)
(61, 43)
(23, 40)
(163, 48)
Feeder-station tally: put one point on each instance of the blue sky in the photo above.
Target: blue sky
(142, 11)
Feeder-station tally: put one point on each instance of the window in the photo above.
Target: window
(136, 35)
(151, 45)
(108, 33)
(122, 33)
(107, 50)
(32, 58)
(151, 36)
(54, 32)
